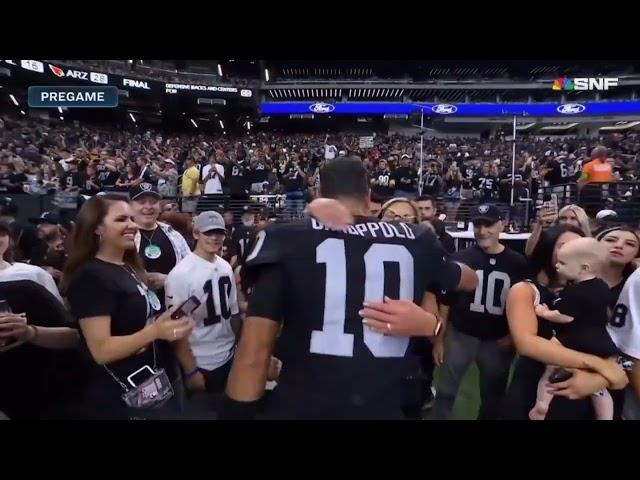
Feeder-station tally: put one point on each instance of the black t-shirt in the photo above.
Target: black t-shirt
(107, 178)
(167, 259)
(295, 182)
(406, 179)
(468, 173)
(587, 303)
(559, 173)
(105, 289)
(314, 281)
(431, 184)
(71, 179)
(260, 173)
(481, 313)
(241, 238)
(32, 378)
(238, 176)
(487, 184)
(380, 183)
(91, 189)
(505, 188)
(148, 176)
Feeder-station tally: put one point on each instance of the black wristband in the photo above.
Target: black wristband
(231, 409)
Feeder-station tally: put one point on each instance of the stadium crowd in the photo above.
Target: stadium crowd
(133, 309)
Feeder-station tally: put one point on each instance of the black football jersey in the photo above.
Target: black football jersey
(333, 365)
(505, 188)
(468, 173)
(431, 184)
(559, 174)
(481, 313)
(381, 184)
(240, 239)
(71, 179)
(238, 177)
(487, 184)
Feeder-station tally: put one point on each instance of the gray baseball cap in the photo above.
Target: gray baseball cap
(208, 221)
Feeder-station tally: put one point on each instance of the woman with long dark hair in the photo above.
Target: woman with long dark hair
(532, 337)
(105, 284)
(623, 245)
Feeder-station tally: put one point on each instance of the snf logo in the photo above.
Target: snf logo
(583, 84)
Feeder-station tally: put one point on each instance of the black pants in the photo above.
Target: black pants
(216, 380)
(204, 405)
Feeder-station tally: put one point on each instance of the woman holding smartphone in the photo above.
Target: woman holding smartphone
(118, 314)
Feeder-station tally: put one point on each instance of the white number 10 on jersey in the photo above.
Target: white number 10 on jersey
(332, 340)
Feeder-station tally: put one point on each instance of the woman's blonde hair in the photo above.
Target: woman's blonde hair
(581, 215)
(393, 201)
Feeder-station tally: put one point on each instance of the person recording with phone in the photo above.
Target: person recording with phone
(119, 316)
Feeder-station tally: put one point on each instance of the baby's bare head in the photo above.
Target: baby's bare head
(581, 257)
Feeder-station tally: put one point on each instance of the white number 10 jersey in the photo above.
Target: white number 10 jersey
(212, 340)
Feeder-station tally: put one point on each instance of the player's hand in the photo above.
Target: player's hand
(156, 280)
(398, 317)
(331, 213)
(581, 384)
(171, 330)
(275, 365)
(196, 383)
(438, 350)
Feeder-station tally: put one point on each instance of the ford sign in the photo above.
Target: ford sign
(444, 109)
(245, 93)
(571, 108)
(322, 108)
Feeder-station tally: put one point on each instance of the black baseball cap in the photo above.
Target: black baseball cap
(144, 188)
(486, 212)
(50, 218)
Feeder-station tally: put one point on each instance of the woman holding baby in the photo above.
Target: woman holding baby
(558, 327)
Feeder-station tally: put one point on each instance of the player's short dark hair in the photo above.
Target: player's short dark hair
(345, 177)
(427, 198)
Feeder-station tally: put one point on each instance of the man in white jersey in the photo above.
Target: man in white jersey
(205, 357)
(624, 330)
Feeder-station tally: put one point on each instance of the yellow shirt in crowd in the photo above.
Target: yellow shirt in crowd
(190, 182)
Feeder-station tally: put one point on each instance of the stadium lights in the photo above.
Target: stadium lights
(266, 74)
(132, 117)
(219, 69)
(221, 124)
(22, 112)
(13, 99)
(61, 117)
(248, 125)
(194, 123)
(60, 109)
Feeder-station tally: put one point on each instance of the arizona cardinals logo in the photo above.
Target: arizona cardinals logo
(57, 71)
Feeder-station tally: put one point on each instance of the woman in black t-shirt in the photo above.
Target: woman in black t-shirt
(105, 284)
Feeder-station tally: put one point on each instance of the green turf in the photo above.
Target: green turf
(468, 399)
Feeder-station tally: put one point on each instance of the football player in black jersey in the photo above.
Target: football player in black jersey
(311, 284)
(475, 324)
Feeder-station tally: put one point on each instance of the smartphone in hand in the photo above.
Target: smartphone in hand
(186, 308)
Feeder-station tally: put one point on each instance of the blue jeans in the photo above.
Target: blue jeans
(404, 194)
(294, 205)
